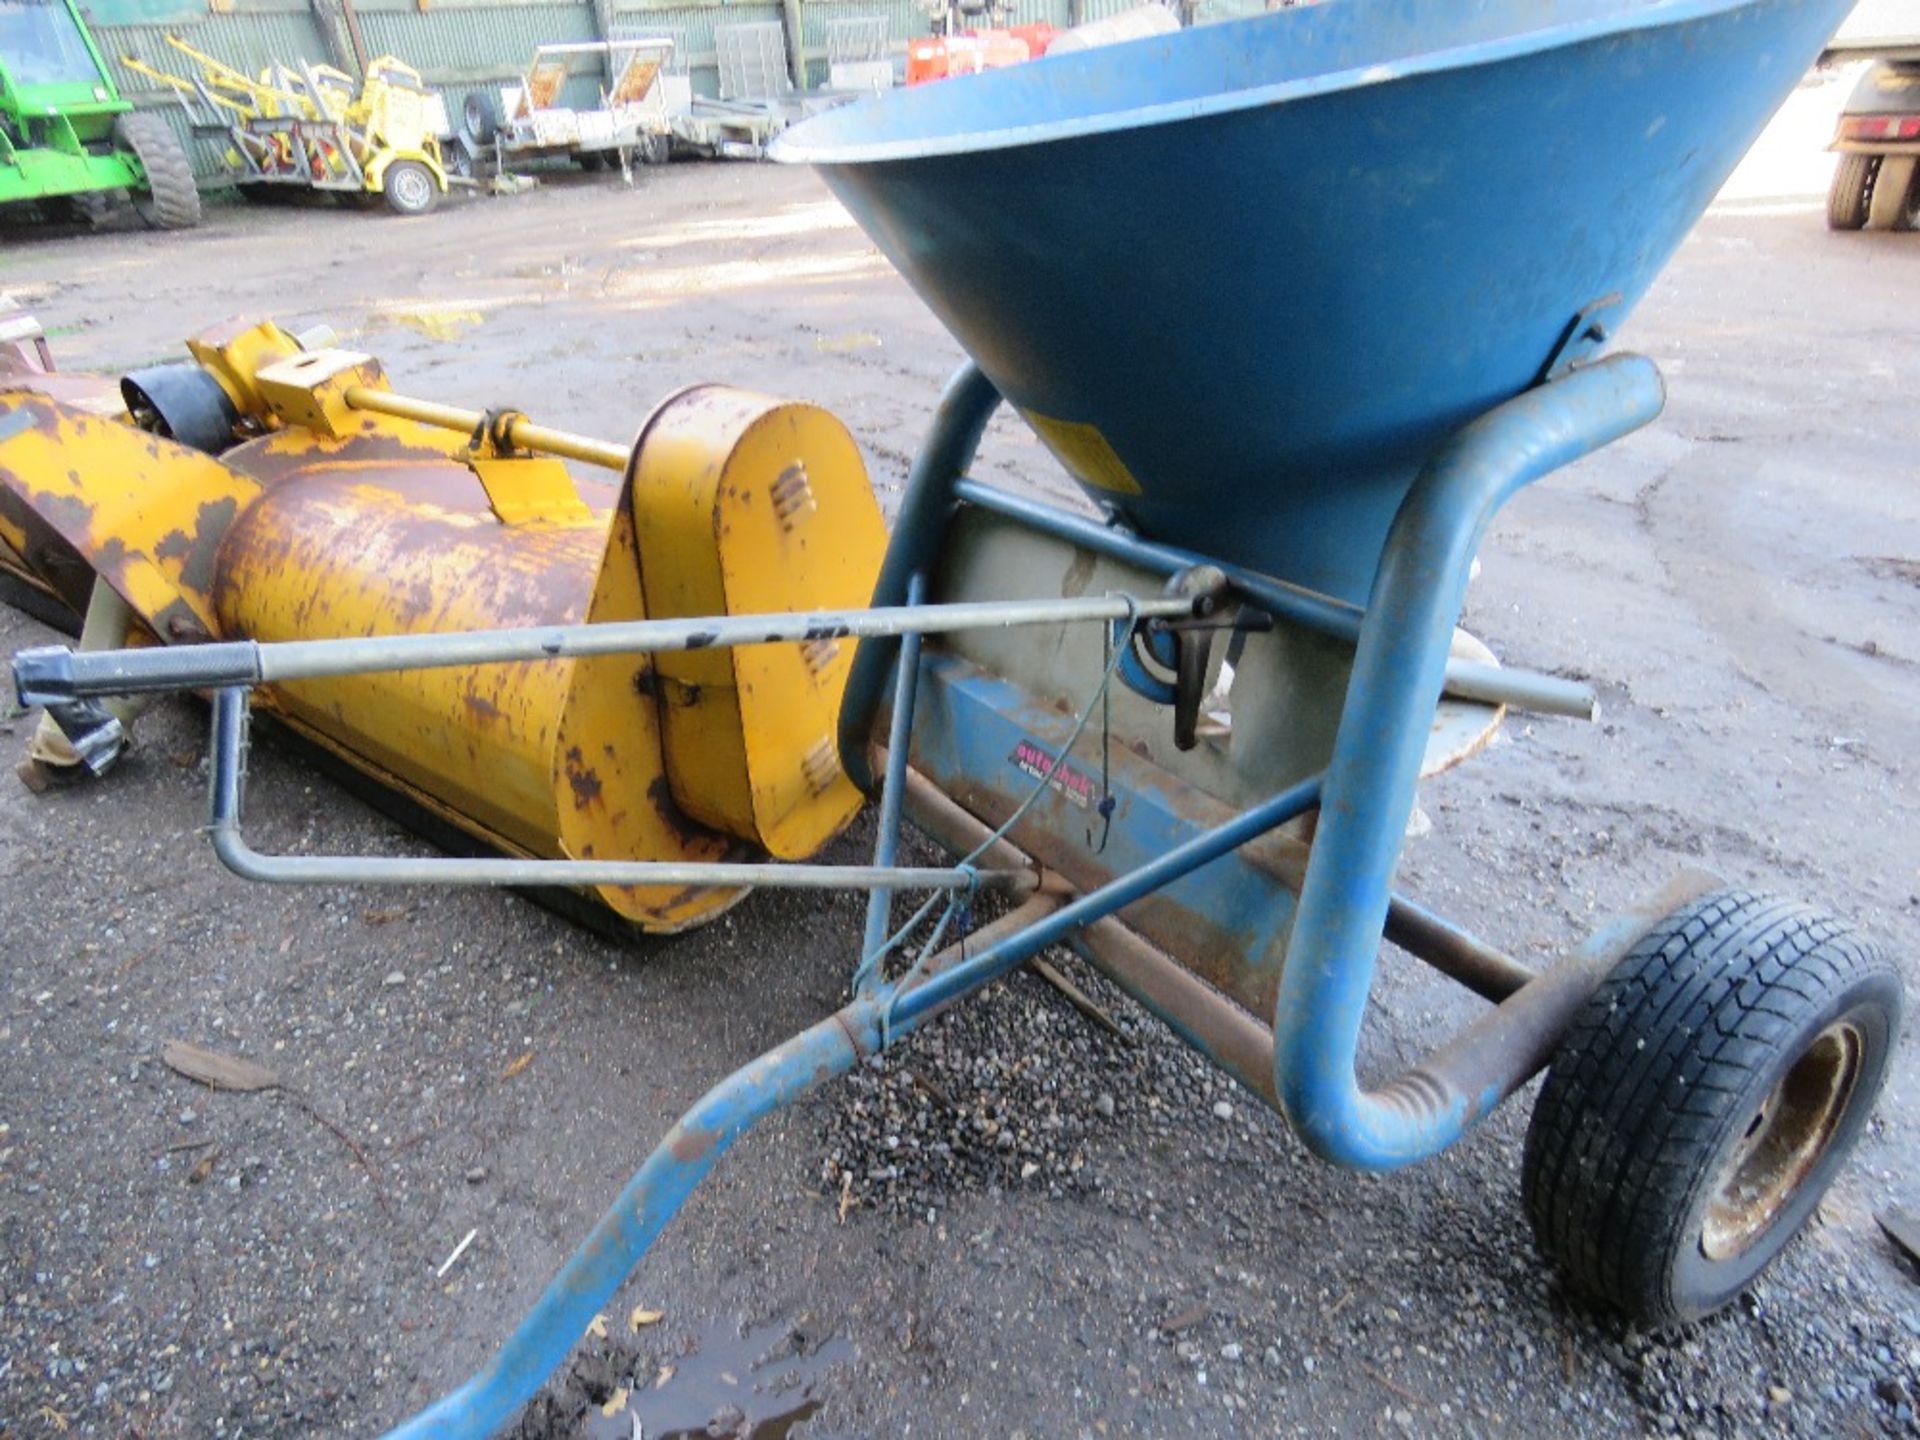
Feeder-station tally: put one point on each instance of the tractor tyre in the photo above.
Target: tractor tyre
(1702, 1101)
(171, 200)
(409, 188)
(88, 210)
(1850, 195)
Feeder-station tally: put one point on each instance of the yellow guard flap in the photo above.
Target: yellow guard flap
(744, 504)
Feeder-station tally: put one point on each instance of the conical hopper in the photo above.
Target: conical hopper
(1243, 279)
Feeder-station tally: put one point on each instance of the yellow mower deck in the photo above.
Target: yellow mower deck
(339, 520)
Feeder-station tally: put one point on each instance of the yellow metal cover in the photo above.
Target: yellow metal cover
(235, 352)
(81, 495)
(309, 390)
(744, 504)
(376, 535)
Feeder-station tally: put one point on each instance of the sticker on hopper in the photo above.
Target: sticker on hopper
(1033, 761)
(1085, 451)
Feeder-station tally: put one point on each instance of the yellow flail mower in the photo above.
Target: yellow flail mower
(282, 494)
(312, 127)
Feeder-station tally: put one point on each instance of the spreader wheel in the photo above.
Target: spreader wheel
(1703, 1100)
(1850, 195)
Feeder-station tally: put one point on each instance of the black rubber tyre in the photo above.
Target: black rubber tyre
(480, 118)
(88, 209)
(171, 200)
(1703, 1100)
(458, 159)
(409, 188)
(590, 160)
(1850, 195)
(654, 149)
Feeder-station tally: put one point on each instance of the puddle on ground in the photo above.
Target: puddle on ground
(733, 1383)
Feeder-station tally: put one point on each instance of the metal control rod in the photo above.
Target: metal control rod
(1465, 679)
(515, 428)
(51, 675)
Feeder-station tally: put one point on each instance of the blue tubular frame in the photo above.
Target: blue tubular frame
(778, 1078)
(1364, 800)
(651, 1198)
(1397, 672)
(1402, 643)
(892, 794)
(919, 533)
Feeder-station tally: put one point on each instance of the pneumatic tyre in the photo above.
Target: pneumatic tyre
(1703, 1100)
(171, 199)
(1850, 195)
(409, 188)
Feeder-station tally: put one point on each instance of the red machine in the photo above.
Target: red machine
(970, 36)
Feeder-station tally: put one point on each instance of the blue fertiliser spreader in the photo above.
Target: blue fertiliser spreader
(1301, 301)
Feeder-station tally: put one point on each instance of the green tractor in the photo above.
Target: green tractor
(67, 139)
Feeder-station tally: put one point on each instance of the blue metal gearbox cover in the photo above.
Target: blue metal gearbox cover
(1244, 279)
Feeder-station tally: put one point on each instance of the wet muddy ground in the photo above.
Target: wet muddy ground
(1151, 1253)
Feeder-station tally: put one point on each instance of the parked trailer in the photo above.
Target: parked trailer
(1297, 435)
(530, 121)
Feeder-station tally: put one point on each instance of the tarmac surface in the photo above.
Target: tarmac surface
(1151, 1253)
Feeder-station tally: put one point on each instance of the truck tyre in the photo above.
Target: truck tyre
(409, 188)
(170, 201)
(1703, 1100)
(1851, 194)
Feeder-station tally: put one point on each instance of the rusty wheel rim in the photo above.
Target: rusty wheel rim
(1783, 1141)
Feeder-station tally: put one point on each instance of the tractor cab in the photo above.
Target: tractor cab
(68, 142)
(47, 63)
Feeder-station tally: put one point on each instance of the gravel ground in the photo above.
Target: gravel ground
(1048, 1229)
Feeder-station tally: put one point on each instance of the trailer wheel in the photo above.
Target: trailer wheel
(171, 200)
(654, 149)
(480, 118)
(409, 188)
(1850, 195)
(1703, 1100)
